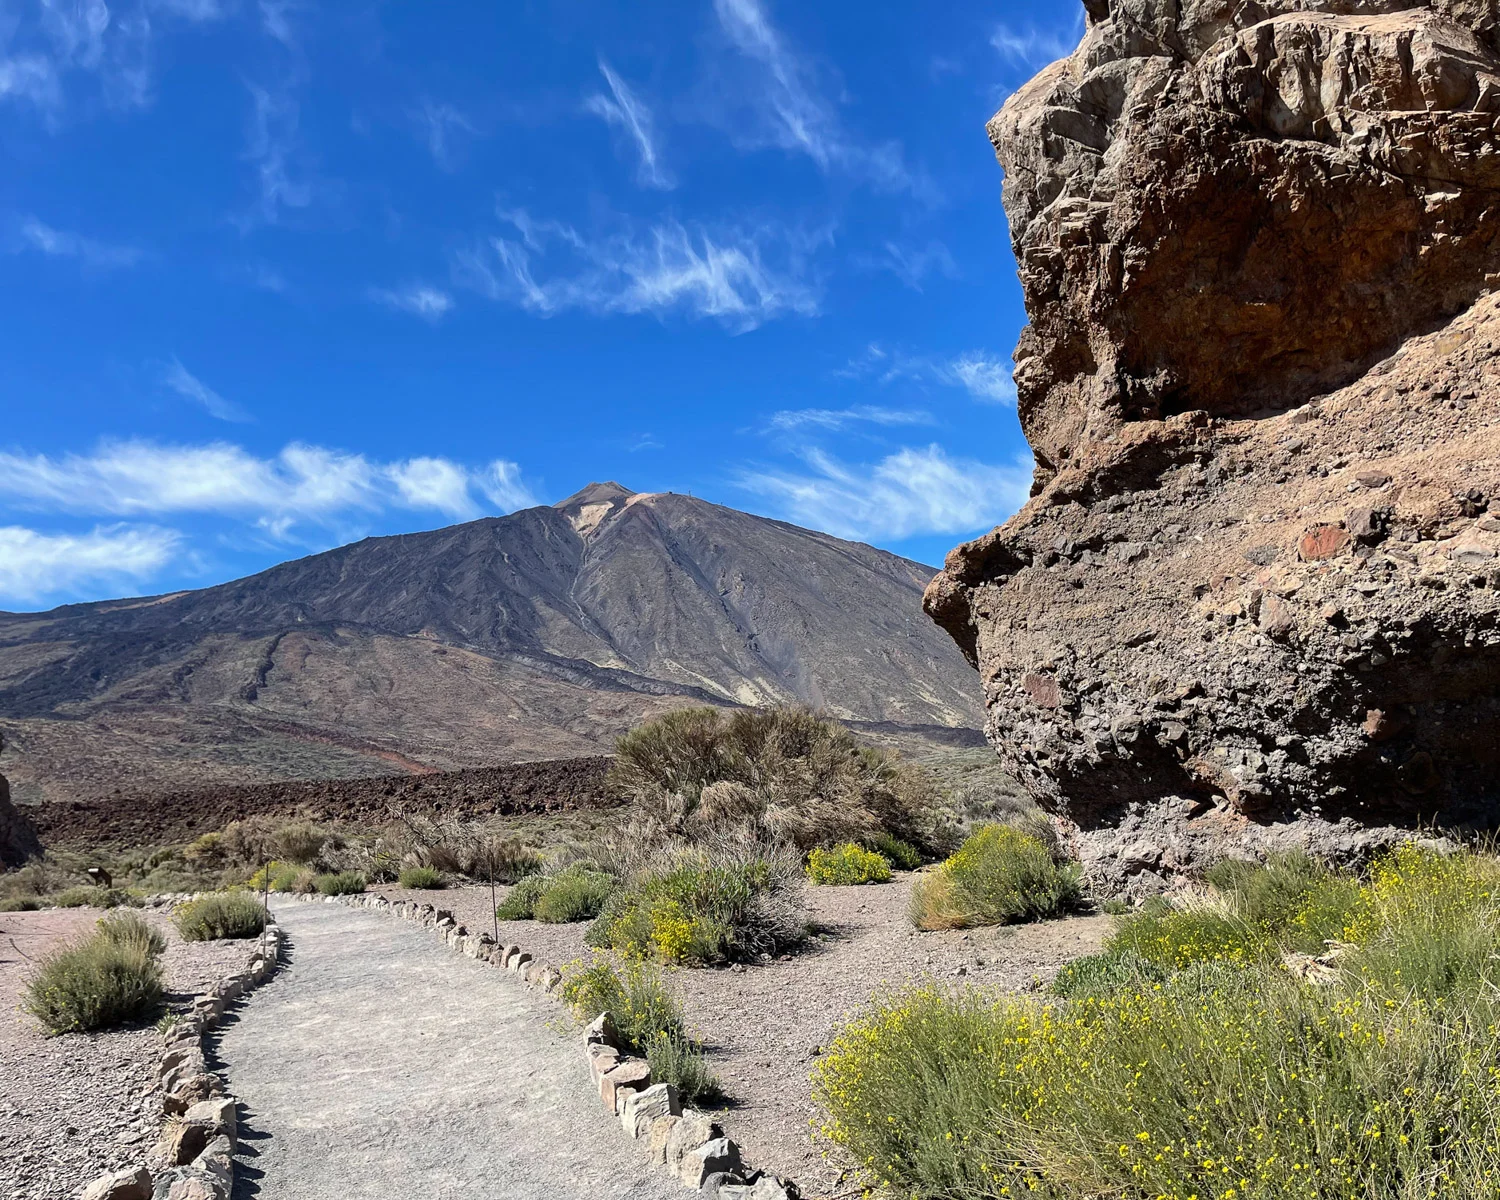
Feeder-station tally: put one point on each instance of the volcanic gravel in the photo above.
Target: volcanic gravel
(765, 1025)
(74, 1107)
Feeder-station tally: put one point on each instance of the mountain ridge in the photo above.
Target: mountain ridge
(544, 633)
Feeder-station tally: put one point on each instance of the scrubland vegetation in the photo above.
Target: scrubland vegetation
(1000, 875)
(1284, 1033)
(649, 1021)
(111, 978)
(848, 865)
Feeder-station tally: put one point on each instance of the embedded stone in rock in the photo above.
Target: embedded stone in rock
(190, 1092)
(134, 1183)
(183, 1142)
(661, 1133)
(641, 1109)
(1322, 542)
(193, 1189)
(693, 1130)
(218, 1115)
(630, 1074)
(602, 1030)
(718, 1157)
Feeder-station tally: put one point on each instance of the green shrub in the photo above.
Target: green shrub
(573, 895)
(520, 902)
(848, 865)
(131, 929)
(104, 982)
(577, 893)
(648, 1019)
(422, 879)
(344, 883)
(700, 908)
(20, 904)
(998, 876)
(91, 897)
(230, 916)
(1227, 1075)
(901, 855)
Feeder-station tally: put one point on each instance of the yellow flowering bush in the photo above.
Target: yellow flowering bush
(1228, 1078)
(848, 865)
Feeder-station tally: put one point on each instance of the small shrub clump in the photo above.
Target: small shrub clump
(576, 893)
(20, 904)
(998, 876)
(649, 1021)
(344, 883)
(91, 897)
(422, 879)
(848, 865)
(700, 909)
(901, 855)
(232, 916)
(113, 978)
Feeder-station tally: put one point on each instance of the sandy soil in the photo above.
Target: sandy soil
(766, 1025)
(74, 1107)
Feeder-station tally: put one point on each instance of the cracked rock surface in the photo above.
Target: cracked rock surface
(1253, 600)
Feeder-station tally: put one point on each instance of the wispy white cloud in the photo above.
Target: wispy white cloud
(57, 243)
(739, 278)
(46, 46)
(35, 565)
(912, 492)
(276, 20)
(834, 419)
(982, 375)
(445, 130)
(429, 303)
(1031, 47)
(625, 110)
(912, 265)
(794, 115)
(185, 384)
(271, 149)
(303, 483)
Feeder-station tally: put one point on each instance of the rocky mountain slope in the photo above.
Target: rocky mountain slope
(543, 634)
(1253, 600)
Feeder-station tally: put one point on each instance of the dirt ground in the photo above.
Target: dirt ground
(766, 1025)
(76, 1106)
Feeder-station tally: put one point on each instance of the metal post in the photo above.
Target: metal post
(494, 904)
(265, 883)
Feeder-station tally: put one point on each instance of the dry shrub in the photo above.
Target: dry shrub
(453, 848)
(300, 844)
(774, 775)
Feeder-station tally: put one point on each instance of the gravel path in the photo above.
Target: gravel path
(383, 1064)
(74, 1107)
(765, 1025)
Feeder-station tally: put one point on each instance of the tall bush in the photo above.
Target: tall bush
(775, 775)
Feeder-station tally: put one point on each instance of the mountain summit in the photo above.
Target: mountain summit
(545, 633)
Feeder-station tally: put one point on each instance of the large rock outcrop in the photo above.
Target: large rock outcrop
(18, 840)
(1254, 598)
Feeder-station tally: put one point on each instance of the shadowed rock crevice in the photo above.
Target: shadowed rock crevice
(1253, 600)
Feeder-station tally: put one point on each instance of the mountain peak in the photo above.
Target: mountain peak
(594, 505)
(595, 493)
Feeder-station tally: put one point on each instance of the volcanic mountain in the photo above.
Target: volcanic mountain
(542, 634)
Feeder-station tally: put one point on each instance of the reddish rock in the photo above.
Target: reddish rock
(1251, 297)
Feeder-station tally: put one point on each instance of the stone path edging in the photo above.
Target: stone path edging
(194, 1160)
(690, 1145)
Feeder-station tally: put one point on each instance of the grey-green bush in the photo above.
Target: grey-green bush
(101, 983)
(231, 916)
(344, 883)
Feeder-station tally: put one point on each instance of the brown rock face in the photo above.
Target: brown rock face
(18, 840)
(1253, 598)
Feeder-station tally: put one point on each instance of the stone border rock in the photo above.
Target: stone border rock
(194, 1160)
(690, 1146)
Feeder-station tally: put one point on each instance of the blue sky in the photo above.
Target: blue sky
(279, 274)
